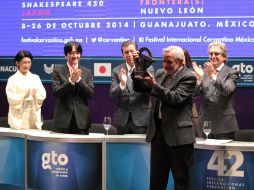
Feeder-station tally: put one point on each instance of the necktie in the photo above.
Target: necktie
(129, 80)
(130, 71)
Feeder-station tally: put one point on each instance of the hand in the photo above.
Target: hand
(149, 79)
(135, 55)
(198, 71)
(209, 69)
(75, 74)
(33, 92)
(27, 93)
(123, 77)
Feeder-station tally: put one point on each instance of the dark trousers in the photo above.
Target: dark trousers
(131, 128)
(72, 128)
(164, 158)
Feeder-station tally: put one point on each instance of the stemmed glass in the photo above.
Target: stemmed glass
(107, 123)
(207, 128)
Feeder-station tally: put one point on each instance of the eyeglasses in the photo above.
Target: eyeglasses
(169, 62)
(214, 53)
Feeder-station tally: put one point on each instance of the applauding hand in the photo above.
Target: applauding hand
(75, 74)
(198, 71)
(123, 77)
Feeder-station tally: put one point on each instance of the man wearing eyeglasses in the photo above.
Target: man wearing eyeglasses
(171, 130)
(217, 84)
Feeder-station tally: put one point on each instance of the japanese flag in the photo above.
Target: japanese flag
(102, 69)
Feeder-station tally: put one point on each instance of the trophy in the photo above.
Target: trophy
(143, 62)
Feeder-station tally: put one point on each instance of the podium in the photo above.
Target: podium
(127, 162)
(219, 165)
(12, 160)
(64, 161)
(37, 159)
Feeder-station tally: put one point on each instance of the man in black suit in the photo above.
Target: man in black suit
(132, 109)
(170, 131)
(72, 87)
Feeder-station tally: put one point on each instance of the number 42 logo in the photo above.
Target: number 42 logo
(217, 163)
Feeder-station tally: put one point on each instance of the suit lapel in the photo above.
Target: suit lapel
(162, 78)
(208, 86)
(66, 72)
(222, 73)
(176, 78)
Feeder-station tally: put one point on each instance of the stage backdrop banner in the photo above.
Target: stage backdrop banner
(101, 26)
(64, 166)
(223, 169)
(101, 67)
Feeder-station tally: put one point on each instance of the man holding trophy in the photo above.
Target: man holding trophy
(170, 130)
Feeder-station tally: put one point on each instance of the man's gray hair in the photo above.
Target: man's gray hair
(178, 51)
(222, 47)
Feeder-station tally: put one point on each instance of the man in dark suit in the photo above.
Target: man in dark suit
(132, 108)
(72, 87)
(217, 84)
(170, 131)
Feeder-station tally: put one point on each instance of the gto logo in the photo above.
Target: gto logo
(53, 158)
(243, 68)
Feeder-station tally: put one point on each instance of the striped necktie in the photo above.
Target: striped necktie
(129, 80)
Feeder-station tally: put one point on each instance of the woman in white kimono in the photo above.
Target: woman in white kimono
(25, 94)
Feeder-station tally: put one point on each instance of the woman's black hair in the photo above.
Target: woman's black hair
(21, 54)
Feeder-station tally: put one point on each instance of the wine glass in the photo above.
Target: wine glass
(107, 123)
(207, 128)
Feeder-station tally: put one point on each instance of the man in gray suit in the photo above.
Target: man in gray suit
(217, 84)
(132, 109)
(171, 130)
(72, 87)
